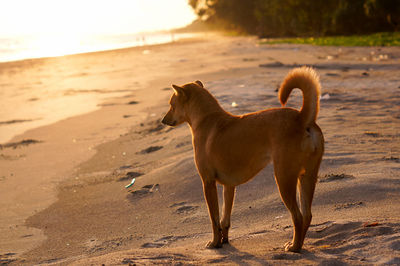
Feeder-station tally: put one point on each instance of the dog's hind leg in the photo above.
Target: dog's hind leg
(229, 194)
(306, 187)
(210, 193)
(286, 178)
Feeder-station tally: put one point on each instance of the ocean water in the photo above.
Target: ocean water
(34, 94)
(28, 47)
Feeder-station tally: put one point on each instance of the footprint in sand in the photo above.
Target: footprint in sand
(392, 159)
(357, 241)
(21, 143)
(162, 241)
(150, 149)
(183, 144)
(395, 245)
(182, 208)
(335, 177)
(186, 209)
(154, 126)
(145, 190)
(349, 205)
(161, 259)
(130, 175)
(152, 245)
(7, 258)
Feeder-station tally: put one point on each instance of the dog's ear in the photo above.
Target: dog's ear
(198, 82)
(179, 91)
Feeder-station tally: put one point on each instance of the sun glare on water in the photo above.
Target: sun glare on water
(51, 28)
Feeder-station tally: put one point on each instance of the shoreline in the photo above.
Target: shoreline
(77, 174)
(84, 98)
(142, 43)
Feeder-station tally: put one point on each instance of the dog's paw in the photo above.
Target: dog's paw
(214, 244)
(290, 247)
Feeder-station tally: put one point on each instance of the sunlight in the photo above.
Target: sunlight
(44, 28)
(56, 45)
(92, 17)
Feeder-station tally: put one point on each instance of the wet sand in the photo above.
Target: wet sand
(63, 194)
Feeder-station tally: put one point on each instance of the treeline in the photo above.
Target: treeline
(277, 18)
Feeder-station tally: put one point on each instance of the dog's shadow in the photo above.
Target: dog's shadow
(230, 253)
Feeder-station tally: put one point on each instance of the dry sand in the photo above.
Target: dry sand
(63, 196)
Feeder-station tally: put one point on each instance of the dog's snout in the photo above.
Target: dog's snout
(168, 122)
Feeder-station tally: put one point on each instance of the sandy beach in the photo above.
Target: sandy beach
(63, 199)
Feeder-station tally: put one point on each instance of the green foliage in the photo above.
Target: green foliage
(377, 39)
(272, 18)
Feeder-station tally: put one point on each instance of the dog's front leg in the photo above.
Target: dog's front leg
(210, 193)
(229, 193)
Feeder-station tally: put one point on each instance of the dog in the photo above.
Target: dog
(231, 149)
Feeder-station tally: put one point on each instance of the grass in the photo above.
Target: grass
(376, 39)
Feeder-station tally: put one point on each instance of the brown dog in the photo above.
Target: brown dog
(232, 149)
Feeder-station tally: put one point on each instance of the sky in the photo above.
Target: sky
(91, 17)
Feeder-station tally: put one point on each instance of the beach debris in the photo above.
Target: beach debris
(326, 96)
(335, 177)
(15, 145)
(131, 184)
(234, 104)
(133, 102)
(325, 246)
(372, 134)
(380, 57)
(373, 224)
(146, 52)
(366, 74)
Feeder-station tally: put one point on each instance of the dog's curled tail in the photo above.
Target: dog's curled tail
(307, 80)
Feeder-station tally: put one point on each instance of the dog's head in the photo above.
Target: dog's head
(177, 112)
